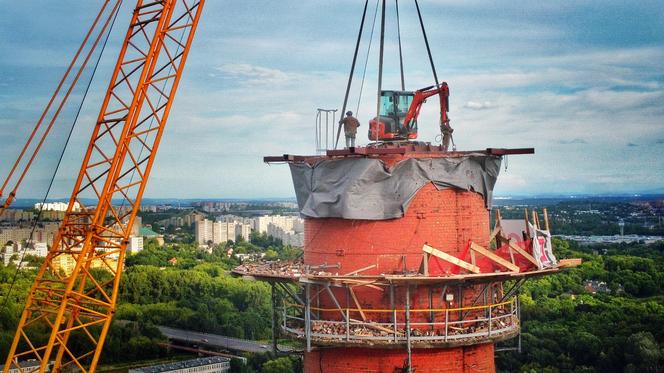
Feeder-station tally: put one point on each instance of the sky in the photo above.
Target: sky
(580, 81)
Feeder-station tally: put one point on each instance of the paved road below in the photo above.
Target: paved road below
(215, 340)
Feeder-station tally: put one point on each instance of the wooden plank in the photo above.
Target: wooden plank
(523, 252)
(499, 228)
(370, 286)
(372, 325)
(355, 283)
(546, 220)
(360, 270)
(336, 303)
(494, 257)
(569, 263)
(525, 212)
(495, 232)
(357, 304)
(425, 264)
(451, 259)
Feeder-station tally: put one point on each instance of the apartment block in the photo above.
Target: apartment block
(288, 229)
(135, 245)
(42, 233)
(220, 231)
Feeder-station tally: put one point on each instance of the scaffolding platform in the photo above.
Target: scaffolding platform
(491, 316)
(484, 324)
(297, 271)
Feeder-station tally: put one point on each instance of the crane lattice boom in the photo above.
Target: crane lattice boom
(76, 301)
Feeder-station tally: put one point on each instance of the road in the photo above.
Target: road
(215, 340)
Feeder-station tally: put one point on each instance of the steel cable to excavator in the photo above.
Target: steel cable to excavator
(366, 60)
(352, 69)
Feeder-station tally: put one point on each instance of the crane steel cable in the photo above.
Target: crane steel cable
(352, 69)
(426, 42)
(62, 153)
(380, 59)
(433, 67)
(317, 135)
(366, 60)
(403, 83)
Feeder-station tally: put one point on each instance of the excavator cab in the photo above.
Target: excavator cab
(389, 125)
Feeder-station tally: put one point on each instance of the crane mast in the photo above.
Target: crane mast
(76, 302)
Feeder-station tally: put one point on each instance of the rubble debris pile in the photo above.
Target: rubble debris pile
(503, 322)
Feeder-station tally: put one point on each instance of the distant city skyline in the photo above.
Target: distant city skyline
(581, 82)
(30, 202)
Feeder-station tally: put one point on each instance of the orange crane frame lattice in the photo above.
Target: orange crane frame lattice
(77, 303)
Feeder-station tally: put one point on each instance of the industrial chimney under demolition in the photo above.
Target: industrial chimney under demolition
(401, 269)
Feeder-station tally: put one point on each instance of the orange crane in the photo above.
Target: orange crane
(76, 303)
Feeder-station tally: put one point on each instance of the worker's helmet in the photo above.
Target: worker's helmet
(349, 112)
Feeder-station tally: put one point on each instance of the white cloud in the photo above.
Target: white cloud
(254, 79)
(253, 74)
(473, 105)
(572, 141)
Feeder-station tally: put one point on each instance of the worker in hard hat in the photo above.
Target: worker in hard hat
(350, 128)
(446, 131)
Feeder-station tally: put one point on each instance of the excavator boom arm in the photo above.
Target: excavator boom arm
(421, 96)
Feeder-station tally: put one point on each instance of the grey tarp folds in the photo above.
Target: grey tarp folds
(364, 188)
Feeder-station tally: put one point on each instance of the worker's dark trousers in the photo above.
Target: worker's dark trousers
(350, 141)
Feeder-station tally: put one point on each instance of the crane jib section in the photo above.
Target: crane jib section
(75, 293)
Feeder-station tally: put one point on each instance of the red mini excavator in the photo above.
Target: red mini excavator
(399, 111)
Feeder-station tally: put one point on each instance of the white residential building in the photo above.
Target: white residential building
(56, 206)
(42, 233)
(285, 222)
(292, 237)
(243, 230)
(220, 231)
(135, 245)
(288, 229)
(203, 231)
(17, 250)
(39, 249)
(223, 231)
(16, 215)
(6, 254)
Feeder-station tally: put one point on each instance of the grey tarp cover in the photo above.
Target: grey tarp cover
(363, 188)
